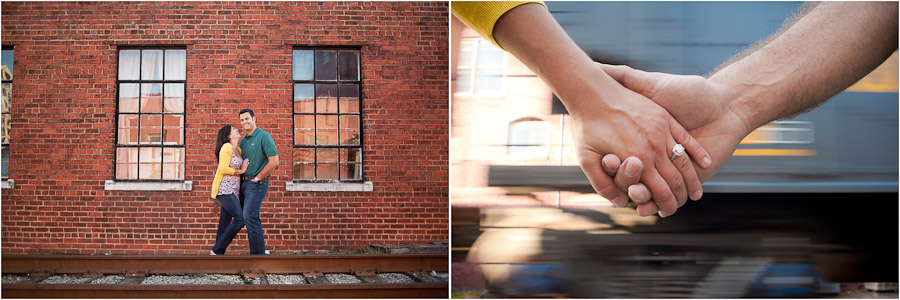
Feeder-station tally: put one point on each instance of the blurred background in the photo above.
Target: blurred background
(806, 207)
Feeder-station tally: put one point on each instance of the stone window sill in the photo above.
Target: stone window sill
(183, 186)
(328, 187)
(9, 184)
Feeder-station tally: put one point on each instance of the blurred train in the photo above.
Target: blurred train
(802, 205)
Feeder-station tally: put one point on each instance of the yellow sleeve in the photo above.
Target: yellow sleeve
(482, 15)
(225, 160)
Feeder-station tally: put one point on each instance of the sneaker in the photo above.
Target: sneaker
(268, 252)
(212, 253)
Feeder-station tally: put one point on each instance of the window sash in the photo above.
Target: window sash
(153, 154)
(309, 158)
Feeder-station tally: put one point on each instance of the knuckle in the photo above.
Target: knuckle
(684, 164)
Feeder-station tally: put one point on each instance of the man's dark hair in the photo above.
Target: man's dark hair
(247, 110)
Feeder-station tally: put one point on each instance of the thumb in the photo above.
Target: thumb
(633, 79)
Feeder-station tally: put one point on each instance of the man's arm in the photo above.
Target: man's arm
(822, 53)
(267, 169)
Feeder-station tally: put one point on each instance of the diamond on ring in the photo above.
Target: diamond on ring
(677, 151)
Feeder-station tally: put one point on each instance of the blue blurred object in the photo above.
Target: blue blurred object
(536, 279)
(788, 280)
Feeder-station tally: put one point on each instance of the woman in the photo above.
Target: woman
(226, 187)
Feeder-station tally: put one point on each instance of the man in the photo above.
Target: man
(259, 147)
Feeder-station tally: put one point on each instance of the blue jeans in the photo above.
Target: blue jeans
(231, 220)
(252, 195)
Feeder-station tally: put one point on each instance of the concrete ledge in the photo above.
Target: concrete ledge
(328, 187)
(9, 184)
(184, 186)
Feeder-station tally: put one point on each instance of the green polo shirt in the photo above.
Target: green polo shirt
(257, 147)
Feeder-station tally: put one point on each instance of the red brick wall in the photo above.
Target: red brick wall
(238, 55)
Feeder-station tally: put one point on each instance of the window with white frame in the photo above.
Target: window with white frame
(529, 138)
(150, 114)
(480, 69)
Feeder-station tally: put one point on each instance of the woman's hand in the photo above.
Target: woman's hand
(243, 167)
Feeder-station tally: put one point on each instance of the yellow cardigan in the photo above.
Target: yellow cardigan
(483, 15)
(223, 169)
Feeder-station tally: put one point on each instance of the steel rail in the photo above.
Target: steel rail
(399, 290)
(229, 264)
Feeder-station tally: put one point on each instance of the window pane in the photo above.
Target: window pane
(173, 129)
(151, 97)
(128, 129)
(4, 161)
(348, 65)
(326, 98)
(7, 97)
(174, 94)
(129, 97)
(327, 171)
(463, 81)
(351, 171)
(326, 130)
(126, 163)
(352, 155)
(150, 164)
(329, 155)
(304, 155)
(349, 130)
(175, 64)
(489, 82)
(4, 128)
(304, 130)
(349, 98)
(304, 171)
(466, 49)
(326, 65)
(303, 65)
(151, 129)
(7, 64)
(489, 55)
(173, 163)
(129, 64)
(151, 64)
(304, 94)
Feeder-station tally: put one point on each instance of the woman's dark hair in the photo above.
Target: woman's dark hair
(222, 138)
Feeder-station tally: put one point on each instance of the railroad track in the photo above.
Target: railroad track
(131, 272)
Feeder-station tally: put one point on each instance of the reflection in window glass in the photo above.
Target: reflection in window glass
(529, 139)
(151, 64)
(150, 114)
(303, 65)
(327, 120)
(175, 64)
(326, 65)
(481, 68)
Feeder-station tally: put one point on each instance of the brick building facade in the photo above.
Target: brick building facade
(81, 178)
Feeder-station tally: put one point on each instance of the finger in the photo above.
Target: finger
(647, 209)
(611, 164)
(633, 79)
(639, 193)
(632, 169)
(602, 183)
(672, 175)
(691, 145)
(683, 163)
(660, 190)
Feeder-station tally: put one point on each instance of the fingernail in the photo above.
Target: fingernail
(697, 194)
(663, 215)
(707, 162)
(631, 169)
